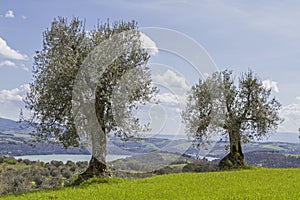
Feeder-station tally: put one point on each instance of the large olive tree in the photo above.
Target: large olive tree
(243, 109)
(66, 48)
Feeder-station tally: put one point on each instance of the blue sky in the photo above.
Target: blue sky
(238, 35)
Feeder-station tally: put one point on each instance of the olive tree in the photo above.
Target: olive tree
(243, 110)
(66, 48)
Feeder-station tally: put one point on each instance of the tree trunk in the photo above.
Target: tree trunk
(235, 158)
(97, 165)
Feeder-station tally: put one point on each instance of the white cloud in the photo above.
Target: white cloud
(15, 94)
(298, 98)
(9, 14)
(171, 80)
(268, 84)
(148, 44)
(24, 67)
(23, 17)
(7, 63)
(171, 98)
(291, 116)
(11, 102)
(10, 53)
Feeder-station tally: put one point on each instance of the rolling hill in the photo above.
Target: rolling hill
(13, 138)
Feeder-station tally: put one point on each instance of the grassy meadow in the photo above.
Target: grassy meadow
(257, 183)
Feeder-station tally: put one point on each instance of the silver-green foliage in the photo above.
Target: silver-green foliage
(243, 108)
(65, 47)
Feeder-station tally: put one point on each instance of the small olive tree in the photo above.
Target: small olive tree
(244, 112)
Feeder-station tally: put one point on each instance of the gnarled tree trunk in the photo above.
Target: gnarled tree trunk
(97, 165)
(235, 158)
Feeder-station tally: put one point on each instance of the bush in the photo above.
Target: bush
(11, 161)
(14, 182)
(41, 164)
(1, 160)
(38, 179)
(56, 163)
(73, 168)
(55, 182)
(39, 175)
(70, 163)
(66, 173)
(26, 161)
(45, 172)
(198, 168)
(164, 170)
(54, 172)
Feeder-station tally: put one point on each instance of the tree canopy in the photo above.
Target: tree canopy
(66, 47)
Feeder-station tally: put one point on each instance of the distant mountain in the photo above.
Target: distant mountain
(7, 125)
(13, 136)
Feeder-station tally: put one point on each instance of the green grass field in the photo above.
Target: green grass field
(241, 184)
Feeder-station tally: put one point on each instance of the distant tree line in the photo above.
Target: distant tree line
(272, 159)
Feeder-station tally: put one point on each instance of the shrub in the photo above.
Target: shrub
(39, 175)
(164, 170)
(73, 168)
(45, 172)
(41, 164)
(38, 179)
(54, 172)
(14, 183)
(55, 182)
(26, 161)
(56, 163)
(197, 168)
(70, 163)
(66, 173)
(11, 161)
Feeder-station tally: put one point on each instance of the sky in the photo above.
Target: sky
(238, 35)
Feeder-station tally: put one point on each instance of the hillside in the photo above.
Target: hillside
(7, 124)
(13, 137)
(244, 184)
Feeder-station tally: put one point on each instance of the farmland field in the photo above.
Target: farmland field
(259, 183)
